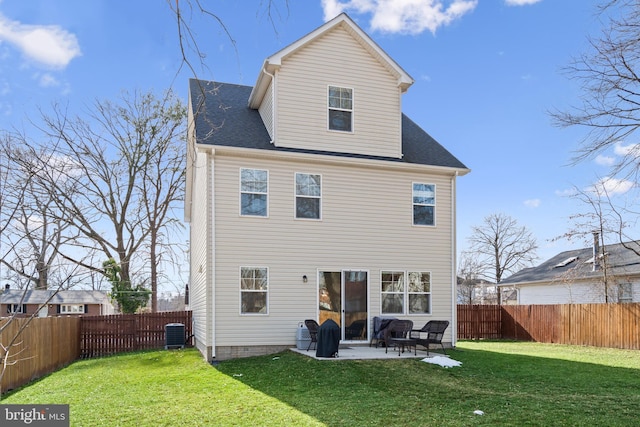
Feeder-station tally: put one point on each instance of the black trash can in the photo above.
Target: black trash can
(328, 339)
(174, 335)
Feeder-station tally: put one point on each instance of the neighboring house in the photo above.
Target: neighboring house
(572, 277)
(61, 303)
(476, 291)
(311, 196)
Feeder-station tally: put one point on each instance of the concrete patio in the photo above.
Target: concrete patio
(362, 352)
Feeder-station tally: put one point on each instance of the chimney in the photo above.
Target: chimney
(596, 250)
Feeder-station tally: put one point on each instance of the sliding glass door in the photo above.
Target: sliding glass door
(343, 297)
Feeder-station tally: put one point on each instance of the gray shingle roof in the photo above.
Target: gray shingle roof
(224, 119)
(14, 296)
(575, 264)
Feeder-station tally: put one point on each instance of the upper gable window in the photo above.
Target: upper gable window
(424, 204)
(340, 109)
(254, 190)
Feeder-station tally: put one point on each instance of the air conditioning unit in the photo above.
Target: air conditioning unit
(174, 335)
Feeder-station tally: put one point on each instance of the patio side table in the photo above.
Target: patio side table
(406, 342)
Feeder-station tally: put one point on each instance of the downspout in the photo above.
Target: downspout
(454, 279)
(273, 104)
(210, 269)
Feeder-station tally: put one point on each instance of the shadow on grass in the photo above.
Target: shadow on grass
(509, 389)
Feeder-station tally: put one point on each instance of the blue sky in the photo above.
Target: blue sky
(486, 74)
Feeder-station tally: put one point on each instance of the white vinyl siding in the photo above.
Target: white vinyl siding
(337, 59)
(266, 111)
(350, 236)
(201, 248)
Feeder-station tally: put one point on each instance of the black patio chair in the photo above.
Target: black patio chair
(356, 330)
(431, 333)
(312, 326)
(379, 325)
(396, 333)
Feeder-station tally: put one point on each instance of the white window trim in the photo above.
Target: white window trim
(435, 204)
(620, 292)
(403, 293)
(430, 293)
(295, 197)
(405, 298)
(240, 193)
(16, 308)
(352, 110)
(241, 291)
(63, 308)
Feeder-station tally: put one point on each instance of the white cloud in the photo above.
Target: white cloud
(567, 192)
(605, 160)
(520, 2)
(611, 186)
(632, 150)
(48, 45)
(47, 80)
(532, 203)
(402, 16)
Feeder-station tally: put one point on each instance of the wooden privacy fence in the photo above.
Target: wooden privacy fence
(599, 325)
(50, 343)
(45, 345)
(105, 335)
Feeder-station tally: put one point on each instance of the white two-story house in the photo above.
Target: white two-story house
(311, 196)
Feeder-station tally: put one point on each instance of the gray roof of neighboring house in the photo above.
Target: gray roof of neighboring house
(226, 120)
(14, 296)
(577, 264)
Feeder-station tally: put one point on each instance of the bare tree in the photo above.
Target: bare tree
(99, 188)
(469, 271)
(186, 11)
(34, 233)
(608, 74)
(162, 190)
(502, 246)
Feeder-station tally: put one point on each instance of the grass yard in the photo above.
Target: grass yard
(513, 383)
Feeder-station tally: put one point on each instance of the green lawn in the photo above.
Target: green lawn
(513, 383)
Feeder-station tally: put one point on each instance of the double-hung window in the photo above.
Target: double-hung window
(254, 290)
(393, 292)
(406, 292)
(254, 191)
(424, 204)
(340, 102)
(625, 292)
(308, 196)
(419, 292)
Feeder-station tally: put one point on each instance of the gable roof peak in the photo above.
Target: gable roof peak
(273, 62)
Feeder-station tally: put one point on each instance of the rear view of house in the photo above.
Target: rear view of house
(311, 196)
